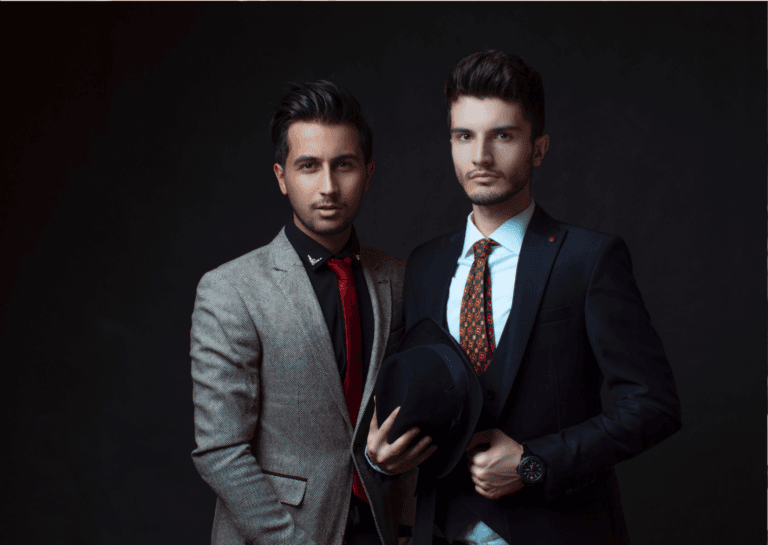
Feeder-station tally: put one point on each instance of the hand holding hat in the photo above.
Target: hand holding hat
(427, 389)
(399, 456)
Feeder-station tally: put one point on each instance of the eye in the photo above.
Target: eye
(306, 166)
(503, 135)
(462, 137)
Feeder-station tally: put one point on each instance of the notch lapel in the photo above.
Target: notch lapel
(307, 315)
(537, 256)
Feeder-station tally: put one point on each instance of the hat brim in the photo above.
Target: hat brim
(425, 332)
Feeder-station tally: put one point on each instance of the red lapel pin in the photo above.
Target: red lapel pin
(552, 239)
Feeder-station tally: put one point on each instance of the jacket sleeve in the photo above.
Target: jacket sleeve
(631, 358)
(226, 357)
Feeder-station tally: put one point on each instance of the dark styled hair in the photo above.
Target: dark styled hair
(319, 101)
(492, 73)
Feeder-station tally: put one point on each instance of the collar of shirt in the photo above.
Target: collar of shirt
(315, 254)
(509, 234)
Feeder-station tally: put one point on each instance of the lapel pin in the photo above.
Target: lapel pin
(313, 261)
(552, 239)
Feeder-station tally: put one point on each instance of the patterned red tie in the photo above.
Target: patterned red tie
(476, 335)
(353, 381)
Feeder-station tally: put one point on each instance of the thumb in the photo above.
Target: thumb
(374, 426)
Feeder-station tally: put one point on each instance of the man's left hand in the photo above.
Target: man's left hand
(494, 470)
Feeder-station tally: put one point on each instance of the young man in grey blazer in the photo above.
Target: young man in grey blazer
(286, 344)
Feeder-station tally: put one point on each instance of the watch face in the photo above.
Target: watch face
(531, 470)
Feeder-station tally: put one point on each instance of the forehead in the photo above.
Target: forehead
(320, 139)
(485, 113)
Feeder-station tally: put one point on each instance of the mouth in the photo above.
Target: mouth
(328, 207)
(485, 175)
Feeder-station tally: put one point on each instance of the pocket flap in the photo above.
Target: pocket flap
(553, 315)
(289, 489)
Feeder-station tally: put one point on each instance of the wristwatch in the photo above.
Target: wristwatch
(531, 468)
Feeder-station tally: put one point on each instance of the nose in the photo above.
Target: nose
(481, 152)
(328, 182)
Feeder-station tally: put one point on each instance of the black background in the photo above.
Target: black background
(136, 157)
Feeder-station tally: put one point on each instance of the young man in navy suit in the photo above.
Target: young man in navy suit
(547, 312)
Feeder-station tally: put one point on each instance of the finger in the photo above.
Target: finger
(479, 458)
(416, 450)
(482, 484)
(475, 471)
(387, 425)
(373, 428)
(402, 442)
(406, 465)
(471, 453)
(484, 493)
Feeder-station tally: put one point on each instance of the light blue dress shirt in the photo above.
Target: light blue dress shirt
(503, 264)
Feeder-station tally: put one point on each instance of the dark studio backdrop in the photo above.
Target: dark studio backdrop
(136, 157)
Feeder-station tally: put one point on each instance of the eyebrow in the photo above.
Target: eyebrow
(306, 158)
(495, 129)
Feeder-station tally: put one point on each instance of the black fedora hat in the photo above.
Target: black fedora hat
(432, 381)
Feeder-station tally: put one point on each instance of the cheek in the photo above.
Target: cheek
(353, 183)
(459, 157)
(300, 191)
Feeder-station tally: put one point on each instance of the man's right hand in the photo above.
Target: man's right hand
(400, 456)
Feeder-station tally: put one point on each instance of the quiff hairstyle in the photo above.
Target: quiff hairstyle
(492, 73)
(317, 101)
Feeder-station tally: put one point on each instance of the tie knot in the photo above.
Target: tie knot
(483, 247)
(341, 267)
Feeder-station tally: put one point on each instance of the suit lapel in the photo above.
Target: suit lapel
(540, 246)
(445, 267)
(380, 291)
(300, 298)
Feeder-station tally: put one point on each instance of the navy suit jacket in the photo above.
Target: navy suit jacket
(577, 322)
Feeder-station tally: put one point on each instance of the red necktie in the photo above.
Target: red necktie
(353, 381)
(476, 335)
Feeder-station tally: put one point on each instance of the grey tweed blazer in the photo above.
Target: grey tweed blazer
(274, 439)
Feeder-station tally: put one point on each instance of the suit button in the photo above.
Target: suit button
(490, 394)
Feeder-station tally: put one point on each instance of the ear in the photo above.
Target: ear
(540, 147)
(280, 175)
(369, 172)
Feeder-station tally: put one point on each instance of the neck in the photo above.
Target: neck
(488, 218)
(332, 243)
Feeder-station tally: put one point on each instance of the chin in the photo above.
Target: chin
(325, 227)
(491, 196)
(488, 198)
(330, 231)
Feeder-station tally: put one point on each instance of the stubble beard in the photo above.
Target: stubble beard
(313, 227)
(492, 196)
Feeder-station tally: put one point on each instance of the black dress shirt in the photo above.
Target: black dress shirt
(314, 257)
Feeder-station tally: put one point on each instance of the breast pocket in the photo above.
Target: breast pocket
(290, 490)
(552, 315)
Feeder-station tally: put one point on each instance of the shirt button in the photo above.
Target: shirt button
(490, 394)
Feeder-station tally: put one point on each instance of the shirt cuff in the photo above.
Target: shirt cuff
(377, 468)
